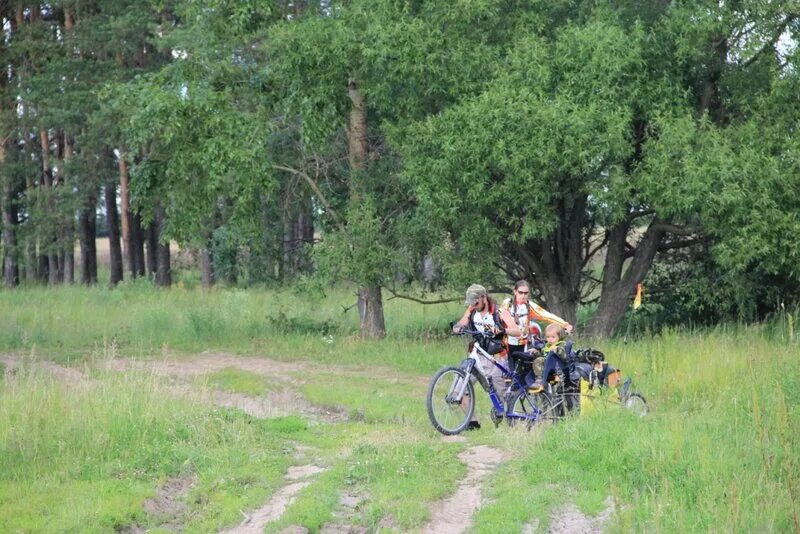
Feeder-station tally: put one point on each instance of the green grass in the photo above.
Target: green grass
(238, 381)
(716, 453)
(88, 454)
(74, 322)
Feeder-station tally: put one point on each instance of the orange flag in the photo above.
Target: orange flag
(637, 301)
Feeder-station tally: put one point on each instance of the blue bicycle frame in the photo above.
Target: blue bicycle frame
(472, 366)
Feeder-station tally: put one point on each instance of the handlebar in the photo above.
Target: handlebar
(468, 332)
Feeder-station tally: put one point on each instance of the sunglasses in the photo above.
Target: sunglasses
(523, 292)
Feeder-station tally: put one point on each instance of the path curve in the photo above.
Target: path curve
(454, 514)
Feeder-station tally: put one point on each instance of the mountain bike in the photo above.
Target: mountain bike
(451, 394)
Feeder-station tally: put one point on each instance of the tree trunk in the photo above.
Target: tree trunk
(87, 238)
(43, 268)
(370, 312)
(305, 222)
(206, 268)
(125, 216)
(10, 268)
(163, 268)
(151, 243)
(370, 303)
(114, 247)
(69, 221)
(618, 288)
(137, 244)
(47, 181)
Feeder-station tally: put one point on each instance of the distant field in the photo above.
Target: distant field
(104, 254)
(136, 408)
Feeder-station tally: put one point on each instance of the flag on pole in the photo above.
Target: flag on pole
(637, 301)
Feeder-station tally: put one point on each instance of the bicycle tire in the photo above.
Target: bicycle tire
(441, 409)
(519, 403)
(637, 404)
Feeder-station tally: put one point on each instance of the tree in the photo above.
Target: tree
(353, 73)
(199, 119)
(606, 133)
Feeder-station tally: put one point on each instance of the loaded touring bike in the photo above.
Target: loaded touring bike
(451, 394)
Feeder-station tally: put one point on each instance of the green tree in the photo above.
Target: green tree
(605, 133)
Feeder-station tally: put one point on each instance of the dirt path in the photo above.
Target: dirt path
(569, 519)
(454, 514)
(209, 362)
(298, 478)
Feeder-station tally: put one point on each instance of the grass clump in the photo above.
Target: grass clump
(86, 455)
(237, 380)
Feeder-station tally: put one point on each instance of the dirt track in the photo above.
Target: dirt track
(449, 516)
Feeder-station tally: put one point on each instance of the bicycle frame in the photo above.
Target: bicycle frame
(472, 366)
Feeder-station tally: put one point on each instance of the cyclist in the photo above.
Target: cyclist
(525, 315)
(485, 315)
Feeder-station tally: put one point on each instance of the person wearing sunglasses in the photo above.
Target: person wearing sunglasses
(525, 314)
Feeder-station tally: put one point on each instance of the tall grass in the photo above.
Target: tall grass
(84, 456)
(716, 453)
(72, 321)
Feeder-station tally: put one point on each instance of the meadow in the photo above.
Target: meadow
(88, 441)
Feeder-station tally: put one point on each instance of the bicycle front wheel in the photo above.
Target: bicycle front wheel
(450, 400)
(530, 410)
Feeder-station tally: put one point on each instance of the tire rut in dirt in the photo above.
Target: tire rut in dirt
(298, 478)
(454, 514)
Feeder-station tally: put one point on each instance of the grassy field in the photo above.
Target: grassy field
(91, 447)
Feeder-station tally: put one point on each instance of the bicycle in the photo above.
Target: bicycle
(588, 380)
(451, 395)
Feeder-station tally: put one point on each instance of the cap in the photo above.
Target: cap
(474, 292)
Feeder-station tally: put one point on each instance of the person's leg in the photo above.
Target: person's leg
(538, 369)
(473, 422)
(498, 381)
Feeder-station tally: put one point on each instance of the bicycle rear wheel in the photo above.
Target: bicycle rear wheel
(636, 403)
(530, 410)
(448, 409)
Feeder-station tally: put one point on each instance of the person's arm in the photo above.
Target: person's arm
(540, 314)
(512, 329)
(464, 321)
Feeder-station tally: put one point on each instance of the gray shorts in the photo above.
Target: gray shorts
(490, 370)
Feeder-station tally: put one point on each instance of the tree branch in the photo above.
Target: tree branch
(313, 185)
(771, 43)
(396, 295)
(674, 229)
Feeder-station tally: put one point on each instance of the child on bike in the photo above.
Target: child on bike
(556, 354)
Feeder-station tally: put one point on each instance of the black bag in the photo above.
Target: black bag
(591, 356)
(490, 345)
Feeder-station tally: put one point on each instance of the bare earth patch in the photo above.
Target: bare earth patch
(273, 404)
(209, 362)
(274, 509)
(346, 517)
(168, 505)
(570, 520)
(454, 514)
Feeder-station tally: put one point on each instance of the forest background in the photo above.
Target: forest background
(327, 166)
(405, 147)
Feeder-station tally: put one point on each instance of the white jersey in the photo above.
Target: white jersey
(519, 312)
(483, 321)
